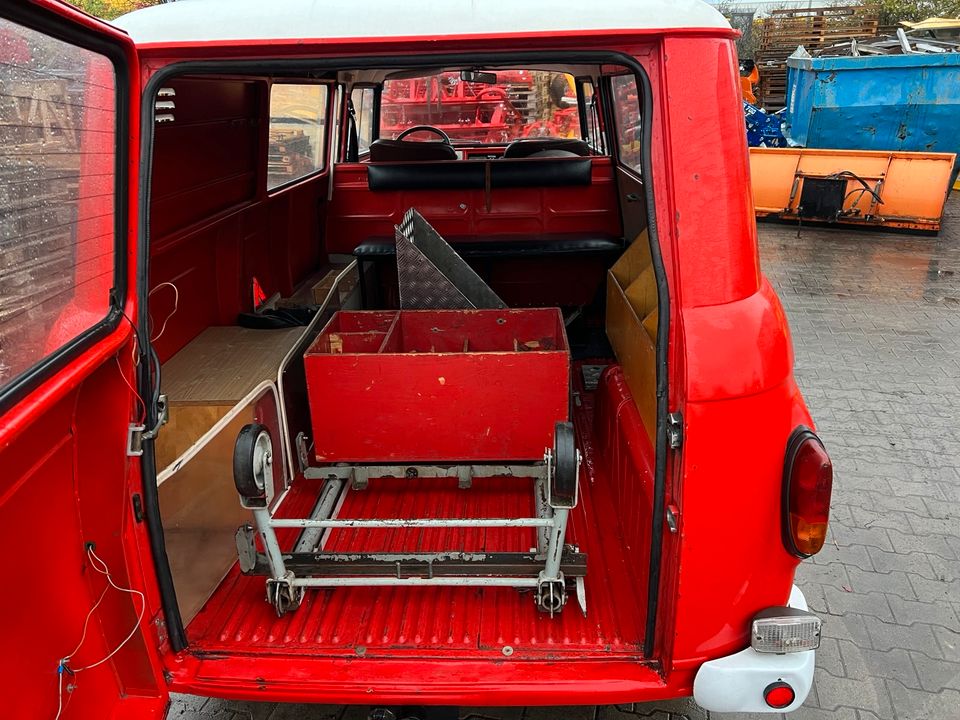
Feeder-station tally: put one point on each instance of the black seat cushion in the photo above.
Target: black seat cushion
(512, 246)
(541, 146)
(407, 151)
(473, 174)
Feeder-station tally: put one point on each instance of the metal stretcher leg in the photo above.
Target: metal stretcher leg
(282, 592)
(289, 573)
(551, 587)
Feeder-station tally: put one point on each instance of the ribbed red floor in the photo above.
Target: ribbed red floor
(464, 622)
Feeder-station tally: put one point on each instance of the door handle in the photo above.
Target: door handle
(632, 197)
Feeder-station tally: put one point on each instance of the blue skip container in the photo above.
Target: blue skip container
(881, 102)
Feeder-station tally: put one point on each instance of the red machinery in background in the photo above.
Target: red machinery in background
(515, 107)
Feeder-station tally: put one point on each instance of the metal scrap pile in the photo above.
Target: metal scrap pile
(901, 43)
(763, 129)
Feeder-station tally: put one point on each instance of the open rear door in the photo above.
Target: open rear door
(78, 602)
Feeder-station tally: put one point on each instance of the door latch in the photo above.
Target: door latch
(674, 430)
(137, 433)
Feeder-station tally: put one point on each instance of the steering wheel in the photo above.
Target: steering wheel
(426, 128)
(492, 95)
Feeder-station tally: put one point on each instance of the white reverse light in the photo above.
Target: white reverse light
(784, 630)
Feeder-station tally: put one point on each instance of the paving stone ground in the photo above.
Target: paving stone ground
(876, 331)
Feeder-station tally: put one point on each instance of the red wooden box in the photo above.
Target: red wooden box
(438, 385)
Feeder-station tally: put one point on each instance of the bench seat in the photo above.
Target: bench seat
(506, 245)
(520, 246)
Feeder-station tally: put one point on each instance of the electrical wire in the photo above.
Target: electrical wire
(59, 692)
(142, 414)
(130, 591)
(176, 304)
(134, 354)
(63, 666)
(86, 622)
(854, 176)
(134, 351)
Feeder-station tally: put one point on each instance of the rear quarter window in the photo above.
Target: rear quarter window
(626, 112)
(297, 139)
(57, 185)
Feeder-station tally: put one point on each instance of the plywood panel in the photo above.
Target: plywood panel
(186, 425)
(199, 504)
(201, 512)
(223, 364)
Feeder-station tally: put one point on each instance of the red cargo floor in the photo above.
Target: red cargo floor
(371, 620)
(460, 622)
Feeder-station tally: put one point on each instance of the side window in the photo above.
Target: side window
(592, 128)
(363, 99)
(626, 113)
(297, 138)
(58, 139)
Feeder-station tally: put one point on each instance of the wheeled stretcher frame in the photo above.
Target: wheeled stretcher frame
(548, 569)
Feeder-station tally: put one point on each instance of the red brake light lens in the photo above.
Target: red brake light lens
(808, 485)
(779, 695)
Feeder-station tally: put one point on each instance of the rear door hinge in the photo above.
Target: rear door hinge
(137, 433)
(675, 430)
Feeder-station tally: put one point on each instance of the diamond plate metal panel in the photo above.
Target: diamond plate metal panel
(432, 276)
(422, 285)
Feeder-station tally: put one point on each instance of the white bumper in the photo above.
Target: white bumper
(735, 683)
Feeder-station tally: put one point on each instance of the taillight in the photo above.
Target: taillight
(779, 695)
(807, 485)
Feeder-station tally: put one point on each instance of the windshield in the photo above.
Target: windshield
(521, 104)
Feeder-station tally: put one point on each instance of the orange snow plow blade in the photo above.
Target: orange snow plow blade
(905, 190)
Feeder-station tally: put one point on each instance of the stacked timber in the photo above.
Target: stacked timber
(289, 156)
(39, 186)
(784, 30)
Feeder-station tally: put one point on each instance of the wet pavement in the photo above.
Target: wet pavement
(876, 330)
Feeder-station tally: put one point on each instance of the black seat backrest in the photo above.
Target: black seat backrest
(478, 174)
(535, 146)
(409, 151)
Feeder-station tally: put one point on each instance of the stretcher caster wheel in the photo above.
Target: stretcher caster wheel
(253, 461)
(566, 460)
(283, 596)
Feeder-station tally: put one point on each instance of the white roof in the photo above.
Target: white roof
(220, 20)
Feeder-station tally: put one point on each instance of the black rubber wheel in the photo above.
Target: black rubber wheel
(248, 466)
(564, 490)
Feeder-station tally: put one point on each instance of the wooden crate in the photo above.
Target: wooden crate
(438, 385)
(815, 28)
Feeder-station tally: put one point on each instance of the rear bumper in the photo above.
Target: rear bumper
(735, 683)
(443, 680)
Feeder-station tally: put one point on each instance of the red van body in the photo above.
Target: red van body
(690, 511)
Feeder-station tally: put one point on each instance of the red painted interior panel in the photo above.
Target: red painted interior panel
(206, 159)
(459, 623)
(62, 486)
(620, 449)
(357, 213)
(213, 228)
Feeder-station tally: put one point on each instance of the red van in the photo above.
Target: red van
(392, 355)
